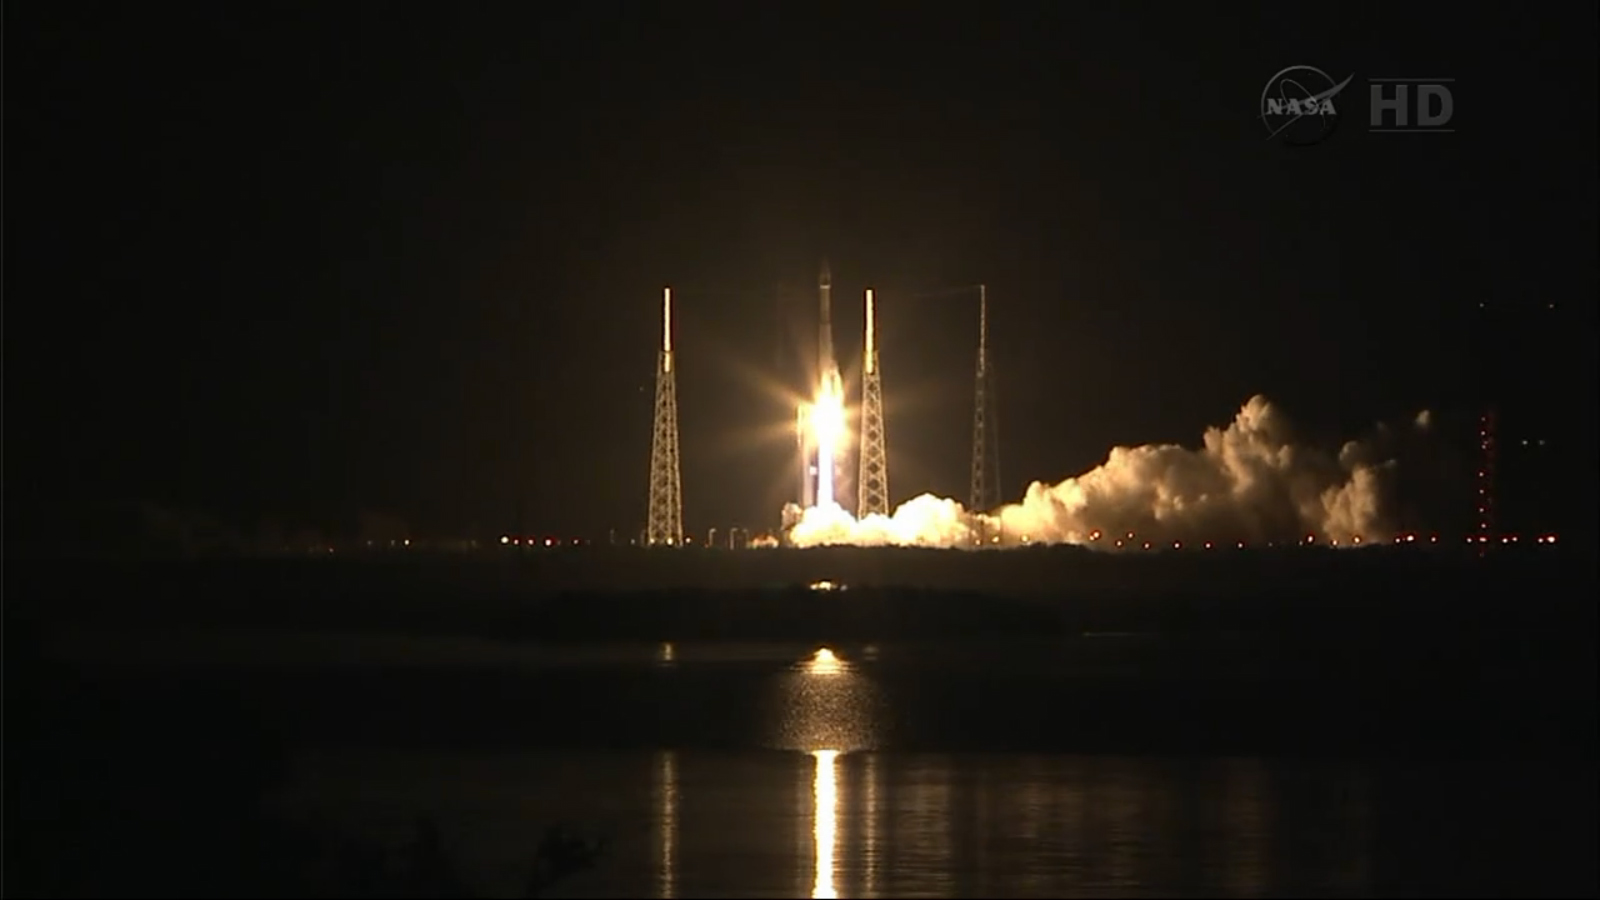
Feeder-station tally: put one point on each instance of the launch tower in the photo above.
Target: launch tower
(665, 527)
(985, 423)
(1487, 453)
(873, 488)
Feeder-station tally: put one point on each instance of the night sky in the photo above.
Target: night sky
(301, 262)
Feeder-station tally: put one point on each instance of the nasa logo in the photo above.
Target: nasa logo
(1297, 105)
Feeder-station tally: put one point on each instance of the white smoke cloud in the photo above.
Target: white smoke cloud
(1247, 482)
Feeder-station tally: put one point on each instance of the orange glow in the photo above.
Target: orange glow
(827, 416)
(871, 343)
(829, 433)
(666, 329)
(824, 662)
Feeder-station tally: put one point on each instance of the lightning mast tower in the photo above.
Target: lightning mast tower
(665, 527)
(1487, 451)
(873, 491)
(985, 425)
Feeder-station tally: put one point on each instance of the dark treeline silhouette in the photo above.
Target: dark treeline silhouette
(888, 594)
(145, 529)
(134, 794)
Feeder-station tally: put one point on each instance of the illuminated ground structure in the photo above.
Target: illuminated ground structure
(986, 492)
(872, 487)
(665, 523)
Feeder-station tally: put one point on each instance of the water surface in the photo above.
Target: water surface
(1106, 765)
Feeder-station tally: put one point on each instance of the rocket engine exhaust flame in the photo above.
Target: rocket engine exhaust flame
(1246, 483)
(828, 425)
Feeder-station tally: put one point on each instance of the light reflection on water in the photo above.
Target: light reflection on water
(824, 702)
(864, 825)
(1246, 818)
(825, 819)
(667, 825)
(823, 813)
(267, 648)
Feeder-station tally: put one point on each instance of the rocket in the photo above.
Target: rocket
(818, 466)
(829, 381)
(825, 360)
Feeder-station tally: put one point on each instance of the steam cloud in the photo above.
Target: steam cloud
(1247, 482)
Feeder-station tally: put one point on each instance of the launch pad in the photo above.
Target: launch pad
(1246, 484)
(822, 434)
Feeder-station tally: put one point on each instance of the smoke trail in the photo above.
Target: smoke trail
(1247, 482)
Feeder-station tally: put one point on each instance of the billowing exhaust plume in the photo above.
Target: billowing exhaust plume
(1247, 482)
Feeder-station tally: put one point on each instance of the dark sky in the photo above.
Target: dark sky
(305, 261)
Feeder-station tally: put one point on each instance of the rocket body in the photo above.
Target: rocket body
(820, 425)
(825, 360)
(831, 385)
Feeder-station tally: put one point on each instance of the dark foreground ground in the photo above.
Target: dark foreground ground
(148, 781)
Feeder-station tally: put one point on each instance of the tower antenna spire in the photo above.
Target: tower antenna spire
(873, 493)
(665, 520)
